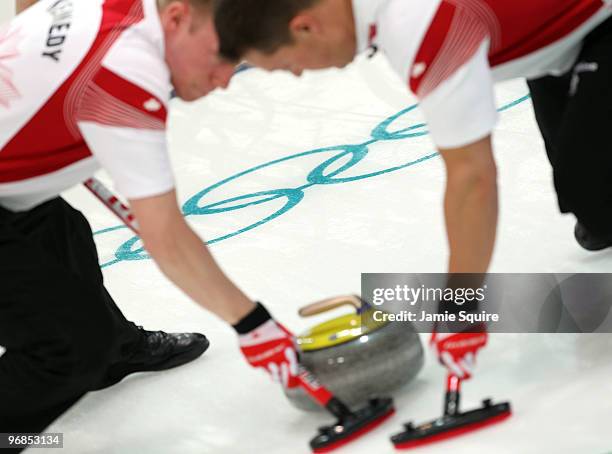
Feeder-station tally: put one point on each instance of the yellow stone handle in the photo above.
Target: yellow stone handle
(329, 304)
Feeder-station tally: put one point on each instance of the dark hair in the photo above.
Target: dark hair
(261, 25)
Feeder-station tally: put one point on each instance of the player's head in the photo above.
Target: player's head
(192, 48)
(293, 35)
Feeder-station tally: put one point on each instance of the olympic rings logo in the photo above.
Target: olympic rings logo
(328, 172)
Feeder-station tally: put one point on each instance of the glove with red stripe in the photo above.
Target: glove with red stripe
(268, 345)
(457, 351)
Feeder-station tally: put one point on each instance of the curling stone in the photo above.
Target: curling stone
(354, 356)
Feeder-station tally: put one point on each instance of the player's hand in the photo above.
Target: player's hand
(268, 345)
(457, 351)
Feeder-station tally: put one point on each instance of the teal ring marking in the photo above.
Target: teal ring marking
(327, 173)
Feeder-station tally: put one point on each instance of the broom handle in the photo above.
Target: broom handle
(112, 202)
(452, 396)
(321, 394)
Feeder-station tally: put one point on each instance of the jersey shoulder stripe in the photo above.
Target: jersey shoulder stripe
(454, 36)
(113, 101)
(119, 16)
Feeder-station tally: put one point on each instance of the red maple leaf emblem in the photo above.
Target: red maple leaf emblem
(8, 49)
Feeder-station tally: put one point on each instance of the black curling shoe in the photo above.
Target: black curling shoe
(159, 351)
(589, 241)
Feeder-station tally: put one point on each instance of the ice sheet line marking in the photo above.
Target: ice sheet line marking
(329, 172)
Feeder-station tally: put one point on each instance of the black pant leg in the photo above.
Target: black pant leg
(574, 114)
(78, 253)
(127, 336)
(61, 328)
(583, 171)
(549, 96)
(55, 328)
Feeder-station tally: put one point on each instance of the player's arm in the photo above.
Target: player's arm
(470, 206)
(461, 114)
(184, 258)
(21, 5)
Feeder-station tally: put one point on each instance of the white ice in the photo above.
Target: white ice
(559, 385)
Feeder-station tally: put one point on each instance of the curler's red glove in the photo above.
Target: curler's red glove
(457, 351)
(268, 345)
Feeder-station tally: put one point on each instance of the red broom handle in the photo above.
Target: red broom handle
(119, 209)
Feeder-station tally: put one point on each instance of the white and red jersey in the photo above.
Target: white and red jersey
(83, 85)
(450, 52)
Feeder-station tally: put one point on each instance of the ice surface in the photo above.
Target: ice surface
(312, 239)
